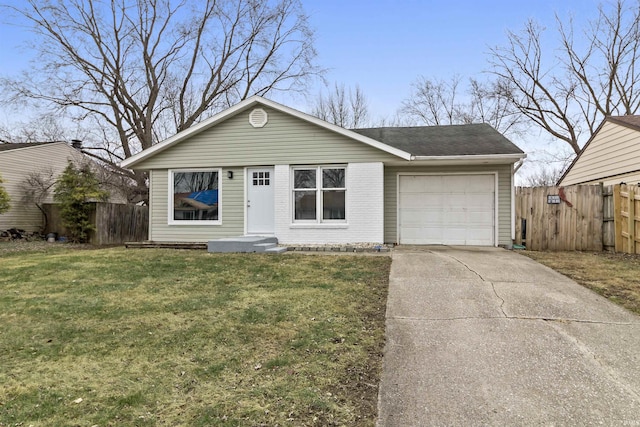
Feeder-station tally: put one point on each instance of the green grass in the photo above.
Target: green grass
(615, 276)
(165, 337)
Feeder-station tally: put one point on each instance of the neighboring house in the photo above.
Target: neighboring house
(611, 156)
(261, 168)
(19, 160)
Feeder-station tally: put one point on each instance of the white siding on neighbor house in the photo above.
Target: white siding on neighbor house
(504, 196)
(612, 156)
(15, 167)
(627, 178)
(364, 209)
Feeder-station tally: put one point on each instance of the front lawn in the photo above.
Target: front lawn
(613, 275)
(164, 337)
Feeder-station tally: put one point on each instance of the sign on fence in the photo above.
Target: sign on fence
(553, 199)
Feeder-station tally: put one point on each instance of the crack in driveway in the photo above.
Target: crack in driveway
(502, 303)
(545, 319)
(495, 292)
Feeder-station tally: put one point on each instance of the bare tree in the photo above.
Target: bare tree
(546, 176)
(45, 128)
(437, 102)
(36, 188)
(434, 102)
(138, 71)
(342, 107)
(568, 94)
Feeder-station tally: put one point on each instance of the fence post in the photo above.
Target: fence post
(617, 218)
(632, 219)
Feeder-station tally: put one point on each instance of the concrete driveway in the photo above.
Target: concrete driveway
(485, 336)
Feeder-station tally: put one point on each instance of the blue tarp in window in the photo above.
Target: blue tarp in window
(208, 197)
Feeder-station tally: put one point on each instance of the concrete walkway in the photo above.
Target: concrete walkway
(485, 336)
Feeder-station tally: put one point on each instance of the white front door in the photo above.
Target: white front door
(260, 201)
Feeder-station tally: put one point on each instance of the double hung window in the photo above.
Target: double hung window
(319, 194)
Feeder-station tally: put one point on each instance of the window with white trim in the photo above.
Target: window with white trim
(319, 194)
(195, 196)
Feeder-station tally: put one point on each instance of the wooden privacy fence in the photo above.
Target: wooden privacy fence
(627, 213)
(573, 224)
(579, 217)
(115, 223)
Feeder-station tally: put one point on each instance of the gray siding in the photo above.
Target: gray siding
(232, 215)
(504, 196)
(284, 140)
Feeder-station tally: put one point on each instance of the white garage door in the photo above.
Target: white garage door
(446, 209)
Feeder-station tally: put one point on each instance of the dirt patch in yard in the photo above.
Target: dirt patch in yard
(615, 276)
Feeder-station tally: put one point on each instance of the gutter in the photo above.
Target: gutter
(470, 159)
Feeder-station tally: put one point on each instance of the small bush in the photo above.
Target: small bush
(74, 190)
(4, 198)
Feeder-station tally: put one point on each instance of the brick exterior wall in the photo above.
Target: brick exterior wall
(364, 209)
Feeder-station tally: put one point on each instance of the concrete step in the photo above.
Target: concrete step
(275, 250)
(242, 244)
(261, 247)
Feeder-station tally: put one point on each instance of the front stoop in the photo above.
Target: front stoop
(245, 244)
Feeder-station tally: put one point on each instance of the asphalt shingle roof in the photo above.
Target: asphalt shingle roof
(633, 121)
(13, 146)
(452, 140)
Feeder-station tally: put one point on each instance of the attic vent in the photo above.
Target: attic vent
(258, 118)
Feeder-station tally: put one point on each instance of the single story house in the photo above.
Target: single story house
(17, 162)
(261, 168)
(611, 156)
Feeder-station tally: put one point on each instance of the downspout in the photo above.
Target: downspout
(514, 169)
(518, 165)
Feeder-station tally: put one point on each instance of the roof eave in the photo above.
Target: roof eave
(471, 159)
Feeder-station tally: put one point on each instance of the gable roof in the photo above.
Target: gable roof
(407, 143)
(245, 105)
(452, 140)
(629, 121)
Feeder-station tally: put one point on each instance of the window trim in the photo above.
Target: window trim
(319, 189)
(170, 207)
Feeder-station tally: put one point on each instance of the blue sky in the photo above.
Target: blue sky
(384, 45)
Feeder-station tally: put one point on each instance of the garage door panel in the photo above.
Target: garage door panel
(480, 183)
(420, 200)
(455, 218)
(447, 209)
(457, 183)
